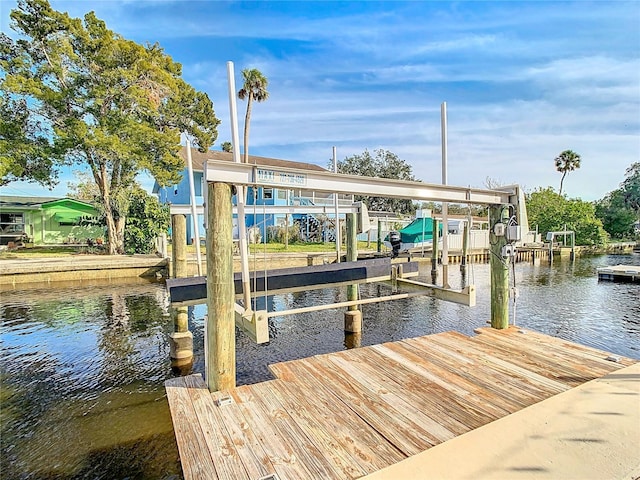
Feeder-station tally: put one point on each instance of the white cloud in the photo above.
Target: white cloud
(523, 81)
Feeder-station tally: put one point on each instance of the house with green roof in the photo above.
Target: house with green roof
(47, 221)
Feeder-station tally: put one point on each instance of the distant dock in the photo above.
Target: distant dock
(355, 413)
(620, 273)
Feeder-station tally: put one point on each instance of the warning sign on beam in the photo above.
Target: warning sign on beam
(276, 177)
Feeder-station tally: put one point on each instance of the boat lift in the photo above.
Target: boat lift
(251, 175)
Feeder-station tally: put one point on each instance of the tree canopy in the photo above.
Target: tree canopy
(630, 188)
(382, 164)
(24, 151)
(621, 208)
(551, 212)
(78, 93)
(566, 162)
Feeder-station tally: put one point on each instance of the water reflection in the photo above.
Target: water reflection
(81, 375)
(82, 366)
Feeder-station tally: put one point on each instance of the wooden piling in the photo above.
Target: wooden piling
(181, 339)
(220, 334)
(499, 268)
(465, 247)
(353, 316)
(434, 251)
(179, 245)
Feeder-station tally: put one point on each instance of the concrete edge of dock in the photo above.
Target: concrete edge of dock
(21, 272)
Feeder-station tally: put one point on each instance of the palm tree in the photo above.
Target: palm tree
(254, 88)
(566, 162)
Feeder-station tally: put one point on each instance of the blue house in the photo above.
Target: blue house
(257, 222)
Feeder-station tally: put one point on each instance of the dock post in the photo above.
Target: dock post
(179, 245)
(465, 247)
(353, 316)
(181, 339)
(220, 341)
(379, 246)
(499, 268)
(434, 252)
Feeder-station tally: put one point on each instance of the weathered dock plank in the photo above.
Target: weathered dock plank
(349, 414)
(575, 348)
(228, 464)
(580, 369)
(366, 445)
(195, 456)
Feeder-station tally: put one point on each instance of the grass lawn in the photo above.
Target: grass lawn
(39, 252)
(63, 251)
(303, 247)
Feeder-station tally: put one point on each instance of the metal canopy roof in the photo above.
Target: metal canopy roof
(267, 176)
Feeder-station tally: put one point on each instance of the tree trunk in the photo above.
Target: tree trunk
(111, 232)
(120, 224)
(115, 233)
(247, 120)
(561, 182)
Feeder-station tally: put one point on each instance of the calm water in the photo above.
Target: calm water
(82, 367)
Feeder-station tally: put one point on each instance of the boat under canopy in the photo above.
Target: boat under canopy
(417, 234)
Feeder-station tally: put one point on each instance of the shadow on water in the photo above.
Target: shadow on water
(82, 367)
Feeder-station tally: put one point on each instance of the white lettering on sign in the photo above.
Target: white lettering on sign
(280, 178)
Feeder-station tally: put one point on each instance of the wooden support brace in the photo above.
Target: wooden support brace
(254, 324)
(466, 296)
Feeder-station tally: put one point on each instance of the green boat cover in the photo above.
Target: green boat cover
(420, 230)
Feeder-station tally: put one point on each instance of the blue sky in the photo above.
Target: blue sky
(523, 81)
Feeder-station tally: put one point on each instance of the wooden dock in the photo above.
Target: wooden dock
(620, 273)
(347, 414)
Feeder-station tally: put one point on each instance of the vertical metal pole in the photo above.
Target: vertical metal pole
(445, 205)
(422, 238)
(240, 190)
(335, 197)
(379, 246)
(194, 214)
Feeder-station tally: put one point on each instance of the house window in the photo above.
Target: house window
(282, 194)
(11, 227)
(267, 193)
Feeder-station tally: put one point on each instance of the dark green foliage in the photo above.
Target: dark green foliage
(631, 188)
(104, 102)
(25, 153)
(621, 208)
(551, 212)
(146, 219)
(383, 164)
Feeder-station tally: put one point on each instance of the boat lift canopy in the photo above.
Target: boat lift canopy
(264, 176)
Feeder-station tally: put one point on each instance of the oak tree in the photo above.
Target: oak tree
(382, 164)
(87, 96)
